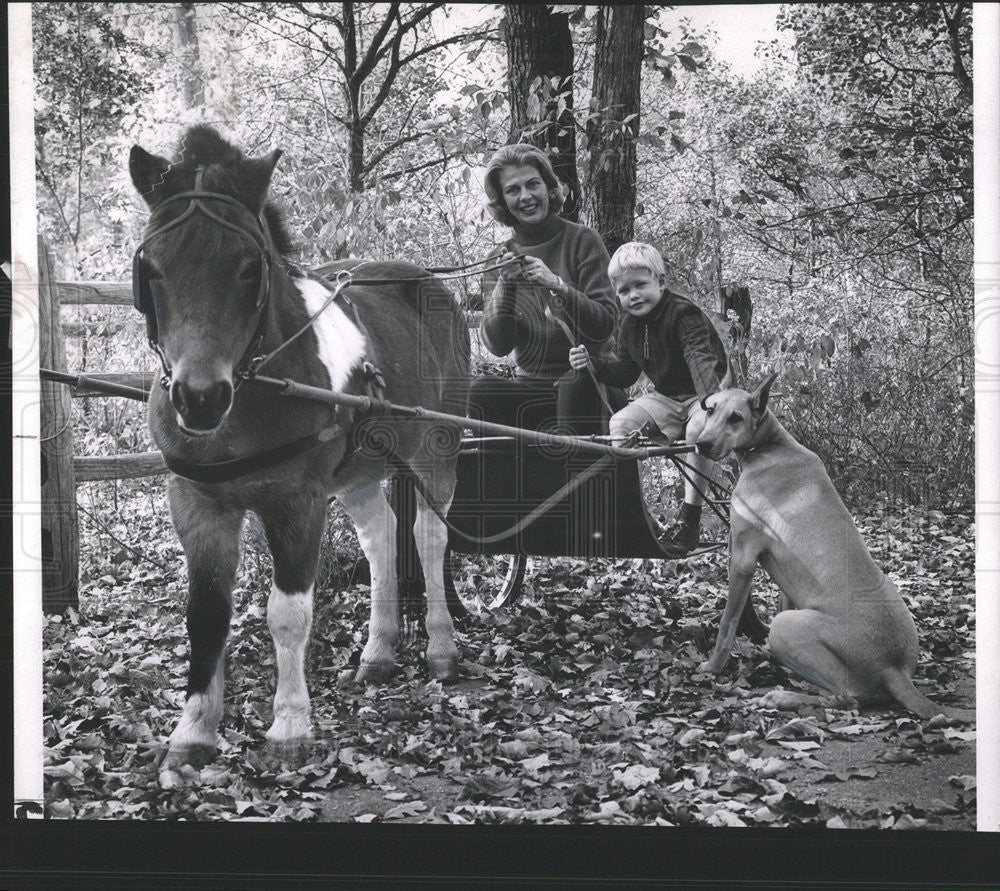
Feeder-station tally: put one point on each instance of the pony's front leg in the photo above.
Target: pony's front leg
(294, 531)
(376, 525)
(432, 540)
(209, 531)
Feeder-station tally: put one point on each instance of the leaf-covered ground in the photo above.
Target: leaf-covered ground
(579, 705)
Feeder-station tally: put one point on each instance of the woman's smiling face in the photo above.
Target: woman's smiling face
(525, 194)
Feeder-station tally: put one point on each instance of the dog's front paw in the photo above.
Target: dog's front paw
(708, 667)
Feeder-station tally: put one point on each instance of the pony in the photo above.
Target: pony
(220, 296)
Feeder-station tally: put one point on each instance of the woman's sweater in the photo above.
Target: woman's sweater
(514, 318)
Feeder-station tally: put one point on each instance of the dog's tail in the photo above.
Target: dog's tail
(899, 684)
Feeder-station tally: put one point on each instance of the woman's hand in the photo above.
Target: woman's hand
(536, 272)
(510, 268)
(530, 269)
(579, 358)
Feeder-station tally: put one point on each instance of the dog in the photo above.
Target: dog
(843, 625)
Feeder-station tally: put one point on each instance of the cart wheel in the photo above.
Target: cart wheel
(481, 583)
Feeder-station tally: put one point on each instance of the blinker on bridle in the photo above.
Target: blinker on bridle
(147, 294)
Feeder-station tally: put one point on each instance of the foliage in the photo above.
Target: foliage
(89, 79)
(838, 190)
(580, 705)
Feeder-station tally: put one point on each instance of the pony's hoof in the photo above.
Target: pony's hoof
(289, 731)
(373, 672)
(292, 752)
(194, 755)
(182, 765)
(443, 670)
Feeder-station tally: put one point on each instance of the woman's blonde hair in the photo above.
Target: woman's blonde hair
(520, 155)
(636, 255)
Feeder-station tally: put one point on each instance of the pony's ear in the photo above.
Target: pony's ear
(759, 397)
(732, 377)
(147, 172)
(257, 177)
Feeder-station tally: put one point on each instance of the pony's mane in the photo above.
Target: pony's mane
(224, 163)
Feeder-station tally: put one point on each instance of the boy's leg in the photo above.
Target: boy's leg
(672, 418)
(632, 417)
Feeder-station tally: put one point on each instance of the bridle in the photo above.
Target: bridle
(147, 292)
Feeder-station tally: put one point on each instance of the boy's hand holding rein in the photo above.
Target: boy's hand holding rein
(579, 358)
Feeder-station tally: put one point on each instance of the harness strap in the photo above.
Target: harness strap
(227, 471)
(374, 379)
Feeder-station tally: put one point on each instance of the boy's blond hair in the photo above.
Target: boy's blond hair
(636, 255)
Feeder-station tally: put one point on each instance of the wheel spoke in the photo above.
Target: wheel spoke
(485, 583)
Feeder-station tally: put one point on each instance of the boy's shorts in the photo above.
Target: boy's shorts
(668, 415)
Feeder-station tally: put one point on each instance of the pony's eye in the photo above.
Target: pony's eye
(710, 410)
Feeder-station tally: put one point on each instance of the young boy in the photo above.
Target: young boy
(674, 343)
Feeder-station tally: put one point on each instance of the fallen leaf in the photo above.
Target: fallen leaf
(636, 776)
(406, 809)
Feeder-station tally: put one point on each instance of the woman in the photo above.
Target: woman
(556, 290)
(559, 278)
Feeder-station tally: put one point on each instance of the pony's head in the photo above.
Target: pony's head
(203, 273)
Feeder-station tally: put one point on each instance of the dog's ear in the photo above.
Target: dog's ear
(732, 378)
(759, 397)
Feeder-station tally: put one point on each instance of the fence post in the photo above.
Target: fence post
(60, 540)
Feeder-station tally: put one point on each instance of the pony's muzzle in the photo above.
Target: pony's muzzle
(201, 405)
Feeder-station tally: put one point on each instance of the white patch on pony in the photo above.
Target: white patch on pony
(289, 617)
(341, 344)
(200, 718)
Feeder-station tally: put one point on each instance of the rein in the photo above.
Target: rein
(320, 270)
(564, 327)
(525, 521)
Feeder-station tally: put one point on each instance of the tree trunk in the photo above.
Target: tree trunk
(352, 86)
(611, 138)
(539, 76)
(717, 228)
(189, 55)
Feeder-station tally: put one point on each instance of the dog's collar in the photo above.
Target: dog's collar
(752, 446)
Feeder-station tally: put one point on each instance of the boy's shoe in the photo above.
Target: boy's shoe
(681, 537)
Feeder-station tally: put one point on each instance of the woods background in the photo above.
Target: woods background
(835, 183)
